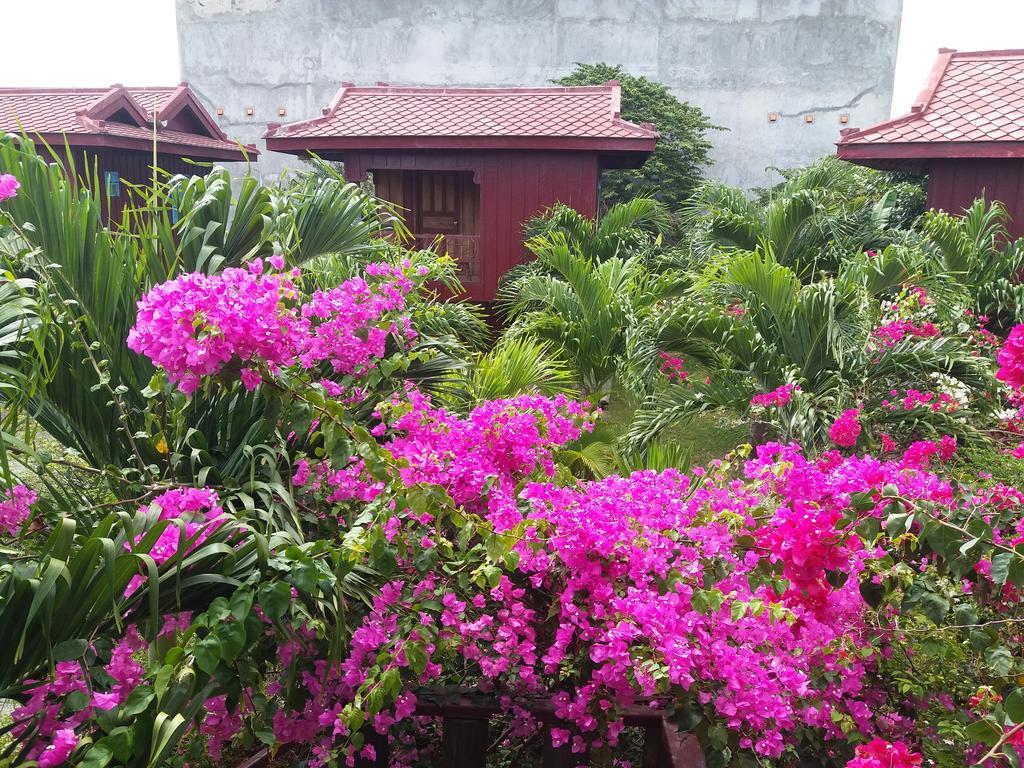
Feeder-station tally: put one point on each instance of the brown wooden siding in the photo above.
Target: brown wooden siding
(133, 169)
(514, 186)
(954, 184)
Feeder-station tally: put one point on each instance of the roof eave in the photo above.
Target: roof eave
(297, 145)
(106, 141)
(933, 150)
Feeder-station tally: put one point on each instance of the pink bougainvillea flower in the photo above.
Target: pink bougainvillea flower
(60, 749)
(1011, 359)
(846, 429)
(879, 753)
(893, 332)
(777, 398)
(947, 447)
(199, 510)
(8, 186)
(673, 368)
(196, 325)
(14, 508)
(251, 378)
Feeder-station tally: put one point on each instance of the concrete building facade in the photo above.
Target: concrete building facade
(782, 76)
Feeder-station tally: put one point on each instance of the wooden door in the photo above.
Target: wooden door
(440, 203)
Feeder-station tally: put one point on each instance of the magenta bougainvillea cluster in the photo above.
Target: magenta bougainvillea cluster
(8, 186)
(777, 398)
(15, 508)
(242, 321)
(879, 753)
(46, 708)
(1011, 359)
(673, 368)
(494, 447)
(197, 512)
(768, 655)
(894, 331)
(735, 592)
(195, 325)
(846, 429)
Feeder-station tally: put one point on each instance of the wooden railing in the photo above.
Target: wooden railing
(465, 249)
(466, 735)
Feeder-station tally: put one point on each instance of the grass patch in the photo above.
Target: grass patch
(708, 436)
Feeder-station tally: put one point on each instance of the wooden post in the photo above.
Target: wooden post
(683, 749)
(655, 755)
(464, 743)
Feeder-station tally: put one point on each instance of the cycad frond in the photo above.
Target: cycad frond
(517, 366)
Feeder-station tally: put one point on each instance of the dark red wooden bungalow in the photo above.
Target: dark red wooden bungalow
(110, 131)
(474, 164)
(966, 131)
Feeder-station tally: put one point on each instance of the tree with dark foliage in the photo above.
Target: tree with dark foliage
(678, 163)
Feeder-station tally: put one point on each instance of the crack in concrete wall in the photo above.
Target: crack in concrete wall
(833, 108)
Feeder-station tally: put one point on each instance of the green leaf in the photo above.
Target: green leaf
(232, 639)
(872, 593)
(138, 700)
(1001, 566)
(304, 576)
(965, 614)
(98, 756)
(1014, 705)
(942, 538)
(69, 649)
(417, 658)
(1016, 575)
(208, 653)
(275, 599)
(120, 742)
(76, 701)
(241, 604)
(163, 677)
(984, 731)
(896, 524)
(979, 639)
(999, 658)
(383, 559)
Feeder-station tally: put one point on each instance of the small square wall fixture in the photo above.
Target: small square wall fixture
(281, 111)
(808, 118)
(250, 111)
(220, 111)
(773, 117)
(844, 119)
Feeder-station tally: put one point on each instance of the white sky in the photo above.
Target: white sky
(79, 43)
(99, 42)
(967, 25)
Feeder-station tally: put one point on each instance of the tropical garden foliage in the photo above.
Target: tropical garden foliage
(264, 489)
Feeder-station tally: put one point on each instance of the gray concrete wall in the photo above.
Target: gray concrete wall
(739, 60)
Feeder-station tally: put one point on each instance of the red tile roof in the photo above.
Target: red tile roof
(971, 106)
(117, 117)
(386, 116)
